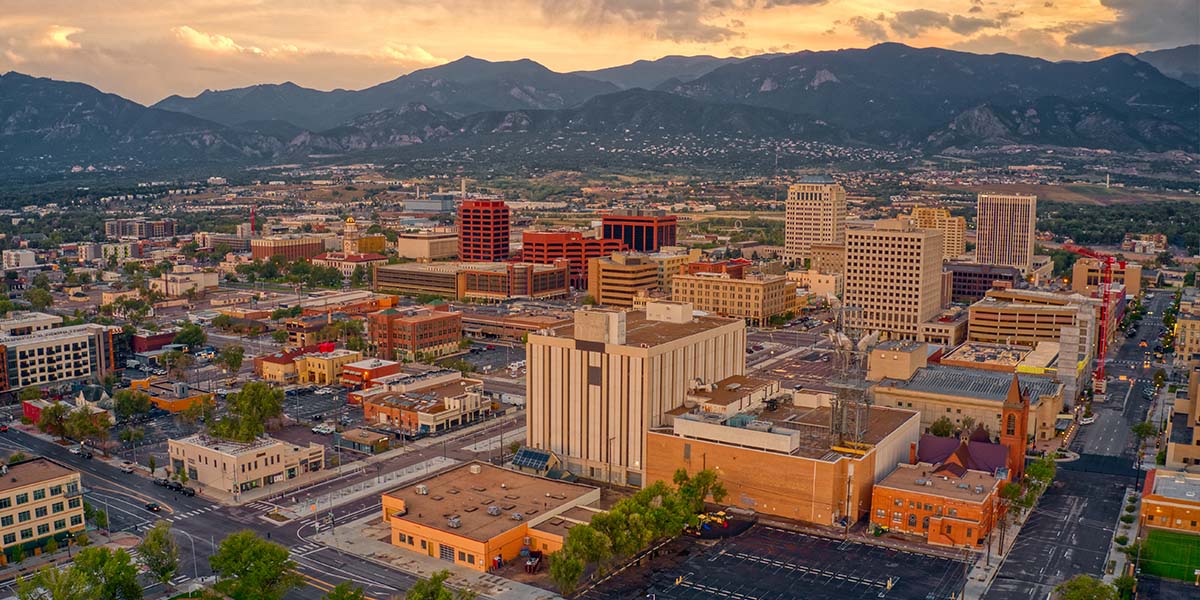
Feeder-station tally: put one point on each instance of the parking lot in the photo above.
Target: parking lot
(766, 563)
(494, 361)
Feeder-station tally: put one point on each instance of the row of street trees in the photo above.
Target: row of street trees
(655, 512)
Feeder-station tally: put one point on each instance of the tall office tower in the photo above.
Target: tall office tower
(893, 279)
(596, 386)
(954, 229)
(816, 214)
(483, 231)
(1005, 224)
(640, 229)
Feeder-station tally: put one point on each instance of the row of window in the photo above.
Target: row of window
(43, 529)
(38, 494)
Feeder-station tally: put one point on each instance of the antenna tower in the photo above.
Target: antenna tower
(851, 404)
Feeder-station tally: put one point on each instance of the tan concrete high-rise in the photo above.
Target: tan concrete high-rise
(1005, 226)
(617, 280)
(893, 278)
(954, 229)
(596, 387)
(816, 214)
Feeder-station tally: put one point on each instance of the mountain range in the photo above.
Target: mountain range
(889, 96)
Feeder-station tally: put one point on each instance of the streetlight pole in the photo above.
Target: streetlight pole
(195, 569)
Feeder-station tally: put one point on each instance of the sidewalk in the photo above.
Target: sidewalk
(303, 506)
(1130, 531)
(32, 564)
(366, 538)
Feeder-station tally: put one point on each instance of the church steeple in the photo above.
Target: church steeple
(1014, 428)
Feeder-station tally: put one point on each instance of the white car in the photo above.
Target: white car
(75, 450)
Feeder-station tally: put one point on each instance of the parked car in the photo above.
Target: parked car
(174, 486)
(161, 481)
(127, 469)
(187, 491)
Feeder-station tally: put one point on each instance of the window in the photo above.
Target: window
(39, 494)
(423, 544)
(882, 514)
(57, 507)
(6, 502)
(912, 519)
(954, 512)
(23, 516)
(26, 534)
(6, 521)
(60, 524)
(56, 490)
(10, 538)
(43, 529)
(73, 502)
(40, 511)
(76, 519)
(925, 523)
(969, 532)
(22, 499)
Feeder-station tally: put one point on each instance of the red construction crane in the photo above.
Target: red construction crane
(1105, 263)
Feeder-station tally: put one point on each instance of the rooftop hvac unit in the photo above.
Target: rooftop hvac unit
(979, 489)
(475, 469)
(759, 425)
(518, 517)
(494, 511)
(423, 490)
(454, 522)
(922, 482)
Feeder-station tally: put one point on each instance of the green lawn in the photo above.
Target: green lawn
(1171, 554)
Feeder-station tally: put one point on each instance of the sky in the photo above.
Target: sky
(148, 49)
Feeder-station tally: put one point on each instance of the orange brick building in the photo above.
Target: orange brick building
(397, 334)
(948, 504)
(1172, 501)
(478, 515)
(546, 247)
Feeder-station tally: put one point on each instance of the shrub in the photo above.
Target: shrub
(1127, 518)
(1130, 508)
(1121, 540)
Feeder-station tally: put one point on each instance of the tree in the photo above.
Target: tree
(83, 425)
(248, 412)
(54, 583)
(345, 591)
(127, 403)
(1160, 378)
(251, 568)
(111, 574)
(192, 336)
(153, 465)
(1085, 587)
(434, 588)
(39, 299)
(588, 300)
(697, 488)
(1125, 585)
(53, 420)
(943, 427)
(199, 411)
(231, 358)
(159, 553)
(222, 321)
(280, 336)
(132, 435)
(30, 393)
(968, 423)
(1144, 430)
(565, 570)
(6, 305)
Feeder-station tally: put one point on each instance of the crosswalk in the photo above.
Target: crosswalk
(260, 505)
(305, 549)
(191, 513)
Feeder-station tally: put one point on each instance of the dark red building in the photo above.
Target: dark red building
(483, 231)
(149, 341)
(547, 247)
(640, 229)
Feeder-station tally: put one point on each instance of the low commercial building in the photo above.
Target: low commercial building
(324, 367)
(1187, 336)
(366, 373)
(779, 459)
(947, 329)
(1086, 277)
(488, 325)
(234, 467)
(755, 297)
(947, 504)
(427, 245)
(618, 279)
(478, 281)
(40, 499)
(1171, 500)
(362, 441)
(480, 516)
(401, 334)
(818, 283)
(442, 405)
(184, 279)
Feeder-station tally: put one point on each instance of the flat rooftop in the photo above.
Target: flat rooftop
(973, 486)
(731, 389)
(972, 383)
(640, 330)
(233, 448)
(1177, 485)
(466, 495)
(994, 354)
(32, 472)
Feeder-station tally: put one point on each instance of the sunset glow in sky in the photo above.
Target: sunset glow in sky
(148, 49)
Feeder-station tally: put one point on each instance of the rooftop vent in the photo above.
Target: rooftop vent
(922, 482)
(979, 489)
(454, 523)
(475, 469)
(964, 486)
(518, 517)
(422, 490)
(494, 511)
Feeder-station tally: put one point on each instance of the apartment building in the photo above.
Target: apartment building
(40, 499)
(140, 229)
(1005, 227)
(596, 387)
(26, 322)
(671, 261)
(235, 467)
(400, 334)
(755, 297)
(290, 247)
(427, 245)
(60, 355)
(893, 278)
(18, 259)
(183, 279)
(954, 229)
(483, 282)
(640, 229)
(815, 214)
(618, 279)
(548, 247)
(483, 231)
